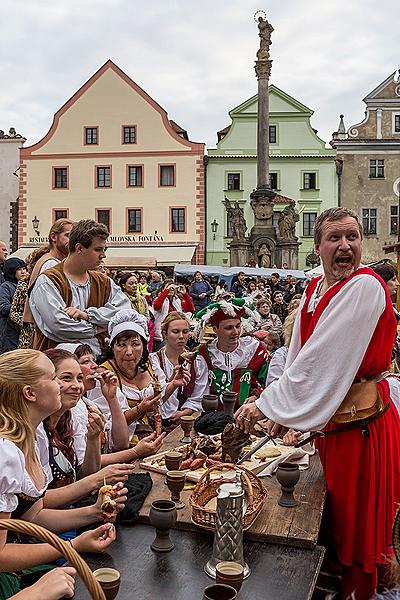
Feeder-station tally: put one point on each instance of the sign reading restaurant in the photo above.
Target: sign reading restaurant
(133, 239)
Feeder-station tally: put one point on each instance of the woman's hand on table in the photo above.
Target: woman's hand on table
(95, 540)
(57, 583)
(149, 445)
(112, 474)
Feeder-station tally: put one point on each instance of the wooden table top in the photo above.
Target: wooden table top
(276, 571)
(297, 526)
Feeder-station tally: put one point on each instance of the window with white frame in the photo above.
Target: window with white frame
(233, 181)
(369, 220)
(273, 181)
(395, 122)
(309, 181)
(376, 169)
(308, 223)
(394, 216)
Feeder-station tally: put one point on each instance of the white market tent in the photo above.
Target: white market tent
(228, 273)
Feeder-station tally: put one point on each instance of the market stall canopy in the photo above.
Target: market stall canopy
(228, 273)
(134, 256)
(22, 252)
(141, 257)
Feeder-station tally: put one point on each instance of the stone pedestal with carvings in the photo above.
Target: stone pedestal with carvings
(240, 252)
(288, 252)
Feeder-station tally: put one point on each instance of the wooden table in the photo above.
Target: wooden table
(277, 572)
(297, 526)
(280, 548)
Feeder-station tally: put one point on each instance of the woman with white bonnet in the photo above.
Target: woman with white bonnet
(102, 393)
(143, 386)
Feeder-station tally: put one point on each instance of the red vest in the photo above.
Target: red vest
(378, 355)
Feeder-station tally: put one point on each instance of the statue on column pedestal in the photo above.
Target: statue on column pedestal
(287, 222)
(264, 257)
(236, 219)
(264, 31)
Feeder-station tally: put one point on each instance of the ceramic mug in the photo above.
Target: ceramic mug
(231, 573)
(219, 591)
(109, 580)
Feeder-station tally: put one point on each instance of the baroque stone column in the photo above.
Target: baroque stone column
(262, 198)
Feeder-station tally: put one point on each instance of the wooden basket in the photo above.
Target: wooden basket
(207, 488)
(65, 549)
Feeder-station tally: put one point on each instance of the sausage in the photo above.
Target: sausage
(186, 464)
(197, 463)
(216, 457)
(157, 424)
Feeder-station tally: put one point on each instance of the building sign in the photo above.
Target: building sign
(131, 239)
(135, 238)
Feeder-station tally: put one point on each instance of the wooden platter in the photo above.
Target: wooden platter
(156, 463)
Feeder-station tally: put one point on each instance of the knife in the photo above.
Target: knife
(259, 445)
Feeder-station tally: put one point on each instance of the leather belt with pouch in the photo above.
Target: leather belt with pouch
(362, 401)
(361, 406)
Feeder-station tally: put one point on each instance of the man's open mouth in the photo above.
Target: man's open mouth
(343, 260)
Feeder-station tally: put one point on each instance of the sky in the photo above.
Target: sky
(195, 58)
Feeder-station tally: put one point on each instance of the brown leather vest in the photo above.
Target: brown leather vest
(100, 288)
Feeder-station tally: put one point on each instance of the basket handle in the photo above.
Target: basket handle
(246, 480)
(65, 549)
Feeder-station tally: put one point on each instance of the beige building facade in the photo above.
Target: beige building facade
(368, 167)
(112, 155)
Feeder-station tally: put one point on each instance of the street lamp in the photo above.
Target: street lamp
(35, 225)
(214, 227)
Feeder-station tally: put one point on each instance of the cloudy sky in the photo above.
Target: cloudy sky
(194, 57)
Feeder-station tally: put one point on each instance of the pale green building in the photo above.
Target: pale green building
(301, 167)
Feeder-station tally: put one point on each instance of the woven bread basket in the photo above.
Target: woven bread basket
(65, 549)
(207, 488)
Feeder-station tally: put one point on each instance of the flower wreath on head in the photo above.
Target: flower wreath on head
(214, 313)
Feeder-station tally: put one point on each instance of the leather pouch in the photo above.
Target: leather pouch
(361, 401)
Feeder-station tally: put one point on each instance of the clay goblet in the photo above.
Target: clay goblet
(209, 402)
(187, 423)
(288, 475)
(230, 573)
(176, 483)
(173, 460)
(219, 591)
(229, 402)
(109, 580)
(162, 516)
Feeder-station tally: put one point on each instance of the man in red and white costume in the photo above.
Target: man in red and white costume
(344, 332)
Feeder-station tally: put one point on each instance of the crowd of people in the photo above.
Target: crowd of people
(91, 360)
